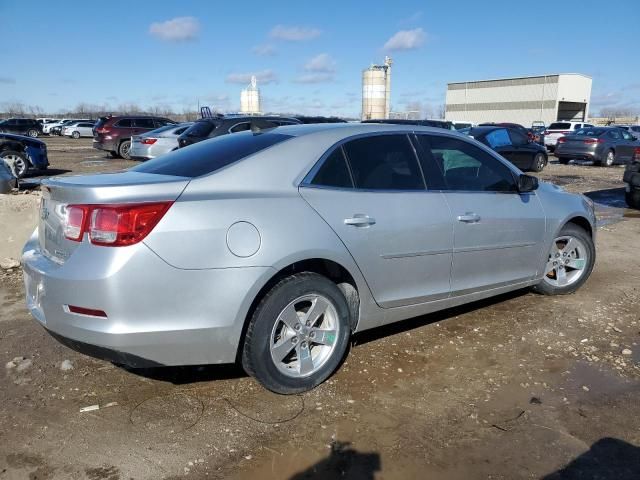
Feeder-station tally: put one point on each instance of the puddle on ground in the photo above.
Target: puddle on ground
(598, 381)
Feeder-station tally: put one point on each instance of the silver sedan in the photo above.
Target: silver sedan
(157, 142)
(274, 247)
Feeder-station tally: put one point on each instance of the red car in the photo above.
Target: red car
(113, 134)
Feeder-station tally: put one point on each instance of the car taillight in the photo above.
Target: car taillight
(113, 225)
(636, 152)
(148, 141)
(102, 130)
(589, 141)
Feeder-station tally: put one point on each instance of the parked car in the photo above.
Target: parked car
(631, 178)
(425, 123)
(560, 129)
(632, 129)
(605, 146)
(21, 126)
(307, 119)
(78, 129)
(274, 247)
(513, 145)
(45, 121)
(113, 134)
(22, 153)
(528, 132)
(458, 125)
(212, 127)
(8, 180)
(56, 128)
(157, 142)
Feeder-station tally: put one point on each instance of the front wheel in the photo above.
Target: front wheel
(16, 161)
(298, 334)
(609, 159)
(124, 148)
(539, 161)
(633, 198)
(32, 133)
(570, 262)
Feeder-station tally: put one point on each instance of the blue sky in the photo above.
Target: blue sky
(308, 55)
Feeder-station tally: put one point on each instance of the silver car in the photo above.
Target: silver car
(605, 146)
(157, 142)
(78, 129)
(274, 247)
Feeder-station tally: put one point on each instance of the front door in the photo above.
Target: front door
(498, 233)
(372, 193)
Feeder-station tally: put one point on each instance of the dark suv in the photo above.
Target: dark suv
(113, 134)
(21, 126)
(221, 125)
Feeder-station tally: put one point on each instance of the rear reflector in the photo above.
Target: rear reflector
(113, 225)
(148, 141)
(86, 311)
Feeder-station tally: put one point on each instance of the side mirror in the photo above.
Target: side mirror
(527, 183)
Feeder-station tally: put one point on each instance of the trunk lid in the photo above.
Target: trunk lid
(108, 188)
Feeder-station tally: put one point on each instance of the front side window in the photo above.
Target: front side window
(627, 136)
(466, 167)
(384, 162)
(615, 134)
(517, 138)
(333, 172)
(498, 138)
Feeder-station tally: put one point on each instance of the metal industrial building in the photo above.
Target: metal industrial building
(523, 100)
(376, 91)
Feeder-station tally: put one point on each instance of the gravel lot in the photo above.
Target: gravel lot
(519, 386)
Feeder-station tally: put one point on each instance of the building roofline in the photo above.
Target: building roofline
(521, 77)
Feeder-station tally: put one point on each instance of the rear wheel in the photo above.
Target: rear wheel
(76, 135)
(539, 161)
(124, 148)
(609, 159)
(32, 132)
(633, 198)
(16, 161)
(570, 262)
(298, 334)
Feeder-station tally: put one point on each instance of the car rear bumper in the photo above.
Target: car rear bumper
(156, 314)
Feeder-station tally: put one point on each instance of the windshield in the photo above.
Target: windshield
(211, 155)
(200, 129)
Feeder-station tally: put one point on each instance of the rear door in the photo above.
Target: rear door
(498, 233)
(371, 192)
(627, 146)
(141, 125)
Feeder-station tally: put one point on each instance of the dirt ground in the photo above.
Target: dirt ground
(519, 386)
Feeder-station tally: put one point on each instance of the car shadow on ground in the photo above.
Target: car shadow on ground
(343, 462)
(190, 374)
(607, 459)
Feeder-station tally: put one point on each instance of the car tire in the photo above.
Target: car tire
(579, 260)
(123, 149)
(633, 198)
(563, 160)
(32, 132)
(539, 161)
(76, 135)
(17, 162)
(273, 349)
(609, 159)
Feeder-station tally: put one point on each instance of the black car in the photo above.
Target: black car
(513, 145)
(23, 153)
(425, 123)
(211, 127)
(631, 179)
(308, 119)
(21, 126)
(534, 134)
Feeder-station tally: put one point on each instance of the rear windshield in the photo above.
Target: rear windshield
(206, 157)
(590, 132)
(101, 121)
(199, 129)
(560, 126)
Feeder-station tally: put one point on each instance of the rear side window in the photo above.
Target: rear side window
(385, 162)
(560, 126)
(590, 132)
(200, 129)
(124, 123)
(334, 172)
(144, 123)
(466, 167)
(207, 157)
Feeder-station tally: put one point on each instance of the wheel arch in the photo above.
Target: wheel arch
(581, 222)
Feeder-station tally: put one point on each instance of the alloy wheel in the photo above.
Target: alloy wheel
(567, 261)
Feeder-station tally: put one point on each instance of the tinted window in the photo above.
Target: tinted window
(178, 131)
(240, 127)
(144, 123)
(467, 167)
(615, 134)
(199, 129)
(560, 126)
(518, 138)
(498, 138)
(207, 157)
(385, 162)
(635, 129)
(577, 126)
(124, 123)
(334, 171)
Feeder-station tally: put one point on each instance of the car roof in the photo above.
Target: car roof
(339, 131)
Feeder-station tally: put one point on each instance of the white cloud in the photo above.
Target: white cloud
(406, 40)
(264, 77)
(321, 63)
(264, 50)
(317, 77)
(294, 33)
(177, 29)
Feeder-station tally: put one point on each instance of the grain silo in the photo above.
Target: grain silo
(376, 91)
(250, 98)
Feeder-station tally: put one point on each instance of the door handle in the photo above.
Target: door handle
(469, 217)
(360, 220)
